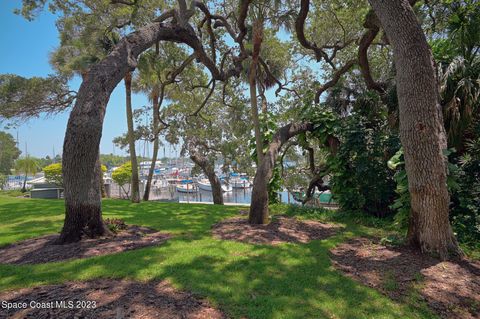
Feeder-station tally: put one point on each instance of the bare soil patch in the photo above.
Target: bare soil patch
(451, 289)
(43, 249)
(280, 230)
(107, 299)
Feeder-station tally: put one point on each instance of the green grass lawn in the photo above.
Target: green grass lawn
(244, 280)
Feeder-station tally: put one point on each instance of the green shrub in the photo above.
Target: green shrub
(401, 204)
(465, 208)
(122, 176)
(53, 173)
(361, 180)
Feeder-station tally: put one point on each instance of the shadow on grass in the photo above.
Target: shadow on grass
(285, 281)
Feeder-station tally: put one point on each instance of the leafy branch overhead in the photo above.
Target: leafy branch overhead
(24, 98)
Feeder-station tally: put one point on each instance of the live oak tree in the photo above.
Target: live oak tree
(317, 125)
(83, 210)
(199, 155)
(211, 125)
(258, 213)
(85, 40)
(421, 129)
(81, 146)
(419, 111)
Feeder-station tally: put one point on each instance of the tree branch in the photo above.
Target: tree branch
(373, 27)
(212, 82)
(336, 77)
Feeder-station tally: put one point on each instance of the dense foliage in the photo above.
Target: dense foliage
(8, 153)
(465, 210)
(361, 180)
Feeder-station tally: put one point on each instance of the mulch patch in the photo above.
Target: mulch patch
(43, 249)
(279, 230)
(107, 299)
(451, 289)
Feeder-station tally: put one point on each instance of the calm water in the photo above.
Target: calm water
(243, 196)
(237, 195)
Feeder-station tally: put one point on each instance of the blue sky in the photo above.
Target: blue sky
(26, 47)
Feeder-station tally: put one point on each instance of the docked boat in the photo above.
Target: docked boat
(226, 188)
(323, 197)
(204, 184)
(160, 183)
(186, 188)
(241, 182)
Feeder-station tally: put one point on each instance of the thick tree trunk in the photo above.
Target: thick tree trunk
(209, 170)
(421, 129)
(84, 217)
(259, 206)
(84, 128)
(131, 138)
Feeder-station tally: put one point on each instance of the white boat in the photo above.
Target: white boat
(226, 188)
(160, 183)
(186, 188)
(204, 184)
(240, 183)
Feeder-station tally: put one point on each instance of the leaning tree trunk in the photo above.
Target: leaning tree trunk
(208, 169)
(156, 142)
(156, 115)
(317, 177)
(421, 130)
(252, 75)
(131, 138)
(84, 128)
(259, 206)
